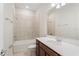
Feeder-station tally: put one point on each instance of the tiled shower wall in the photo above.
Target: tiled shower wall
(24, 25)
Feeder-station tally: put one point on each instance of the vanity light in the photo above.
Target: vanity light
(26, 6)
(53, 4)
(63, 4)
(58, 6)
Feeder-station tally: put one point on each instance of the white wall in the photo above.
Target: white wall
(24, 24)
(36, 28)
(66, 21)
(8, 24)
(42, 19)
(78, 22)
(43, 23)
(51, 25)
(1, 26)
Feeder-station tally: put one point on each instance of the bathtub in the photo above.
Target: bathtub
(24, 47)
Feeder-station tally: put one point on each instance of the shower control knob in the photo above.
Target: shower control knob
(2, 53)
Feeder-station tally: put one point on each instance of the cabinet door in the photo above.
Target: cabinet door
(47, 50)
(37, 48)
(42, 52)
(47, 54)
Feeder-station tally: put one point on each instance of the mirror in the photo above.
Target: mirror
(63, 22)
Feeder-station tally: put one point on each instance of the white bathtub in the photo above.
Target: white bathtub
(25, 47)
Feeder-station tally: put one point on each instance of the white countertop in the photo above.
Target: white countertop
(61, 47)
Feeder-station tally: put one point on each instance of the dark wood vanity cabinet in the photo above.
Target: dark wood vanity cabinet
(43, 50)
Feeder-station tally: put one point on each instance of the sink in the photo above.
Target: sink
(54, 41)
(51, 40)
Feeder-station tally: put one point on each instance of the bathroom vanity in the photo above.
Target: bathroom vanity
(43, 50)
(46, 46)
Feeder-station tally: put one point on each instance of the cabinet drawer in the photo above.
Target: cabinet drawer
(48, 50)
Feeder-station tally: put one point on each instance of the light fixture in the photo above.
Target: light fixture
(53, 4)
(58, 6)
(26, 6)
(63, 4)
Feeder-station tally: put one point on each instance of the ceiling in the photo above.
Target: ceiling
(32, 6)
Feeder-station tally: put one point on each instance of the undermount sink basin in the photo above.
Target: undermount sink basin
(54, 41)
(51, 40)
